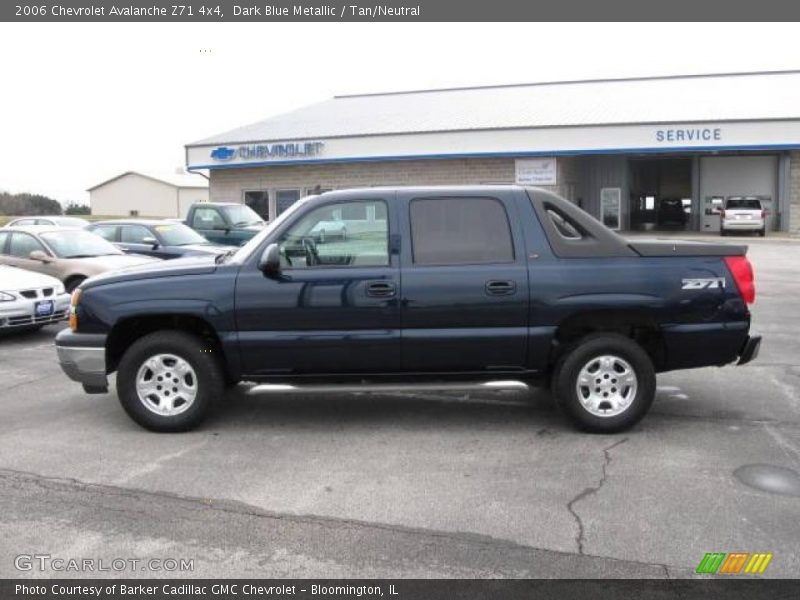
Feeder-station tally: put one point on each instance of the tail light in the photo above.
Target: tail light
(763, 214)
(742, 272)
(722, 214)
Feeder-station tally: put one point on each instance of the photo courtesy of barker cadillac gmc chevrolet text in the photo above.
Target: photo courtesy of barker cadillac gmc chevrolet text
(444, 285)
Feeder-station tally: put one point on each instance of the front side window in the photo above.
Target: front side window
(22, 244)
(134, 234)
(325, 237)
(460, 231)
(207, 218)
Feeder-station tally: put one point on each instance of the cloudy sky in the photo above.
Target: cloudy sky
(80, 103)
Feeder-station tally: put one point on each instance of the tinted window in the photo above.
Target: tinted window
(460, 231)
(134, 234)
(324, 239)
(565, 227)
(285, 198)
(107, 232)
(3, 237)
(23, 244)
(24, 222)
(241, 215)
(743, 204)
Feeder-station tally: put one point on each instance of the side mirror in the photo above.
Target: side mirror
(150, 241)
(270, 261)
(40, 256)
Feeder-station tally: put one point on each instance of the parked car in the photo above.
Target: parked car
(227, 223)
(671, 212)
(29, 301)
(457, 285)
(743, 214)
(71, 255)
(156, 238)
(54, 221)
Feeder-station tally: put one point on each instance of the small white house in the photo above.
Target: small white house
(138, 194)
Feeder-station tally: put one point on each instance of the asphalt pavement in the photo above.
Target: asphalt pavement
(410, 485)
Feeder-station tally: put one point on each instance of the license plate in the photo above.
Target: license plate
(44, 308)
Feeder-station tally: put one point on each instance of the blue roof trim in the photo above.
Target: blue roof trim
(647, 150)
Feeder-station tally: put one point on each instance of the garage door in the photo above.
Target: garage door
(723, 176)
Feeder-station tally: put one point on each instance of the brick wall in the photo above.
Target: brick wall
(794, 193)
(228, 185)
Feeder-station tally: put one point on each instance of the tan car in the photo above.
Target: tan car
(70, 255)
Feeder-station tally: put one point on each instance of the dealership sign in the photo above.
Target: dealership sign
(262, 152)
(541, 144)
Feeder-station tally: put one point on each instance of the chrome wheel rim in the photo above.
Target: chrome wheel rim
(166, 384)
(606, 386)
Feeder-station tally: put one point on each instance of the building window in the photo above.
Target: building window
(460, 231)
(258, 200)
(284, 199)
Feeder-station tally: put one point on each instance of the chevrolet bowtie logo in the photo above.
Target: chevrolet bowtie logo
(734, 563)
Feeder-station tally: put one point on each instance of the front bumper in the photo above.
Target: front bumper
(750, 349)
(22, 312)
(83, 358)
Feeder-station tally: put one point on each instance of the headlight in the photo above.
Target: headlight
(6, 297)
(60, 289)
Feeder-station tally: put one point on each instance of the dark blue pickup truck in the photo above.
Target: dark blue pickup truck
(434, 286)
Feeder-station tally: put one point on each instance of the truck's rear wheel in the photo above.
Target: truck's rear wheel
(166, 381)
(605, 384)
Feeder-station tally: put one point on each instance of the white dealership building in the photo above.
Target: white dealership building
(640, 154)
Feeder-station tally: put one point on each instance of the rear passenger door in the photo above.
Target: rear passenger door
(465, 284)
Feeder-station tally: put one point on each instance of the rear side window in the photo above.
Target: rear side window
(134, 234)
(460, 231)
(107, 232)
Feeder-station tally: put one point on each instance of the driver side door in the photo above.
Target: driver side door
(334, 307)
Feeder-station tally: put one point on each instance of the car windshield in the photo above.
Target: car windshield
(241, 215)
(177, 234)
(76, 243)
(70, 222)
(743, 203)
(245, 251)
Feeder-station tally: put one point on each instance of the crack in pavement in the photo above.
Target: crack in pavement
(589, 491)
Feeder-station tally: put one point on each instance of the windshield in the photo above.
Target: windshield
(177, 234)
(743, 203)
(75, 243)
(245, 251)
(70, 222)
(242, 214)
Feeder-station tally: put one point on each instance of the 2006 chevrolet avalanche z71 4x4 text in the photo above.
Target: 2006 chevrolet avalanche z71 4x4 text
(442, 286)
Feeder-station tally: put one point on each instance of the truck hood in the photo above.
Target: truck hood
(190, 265)
(685, 248)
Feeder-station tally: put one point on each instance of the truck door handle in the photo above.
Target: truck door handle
(501, 288)
(381, 289)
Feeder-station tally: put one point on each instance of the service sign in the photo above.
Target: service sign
(536, 171)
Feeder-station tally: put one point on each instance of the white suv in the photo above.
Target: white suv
(29, 301)
(743, 214)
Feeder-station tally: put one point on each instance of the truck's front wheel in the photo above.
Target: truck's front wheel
(606, 383)
(167, 381)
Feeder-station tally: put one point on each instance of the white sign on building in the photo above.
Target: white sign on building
(536, 171)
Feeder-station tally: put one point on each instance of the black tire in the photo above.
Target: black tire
(763, 232)
(210, 382)
(73, 282)
(568, 369)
